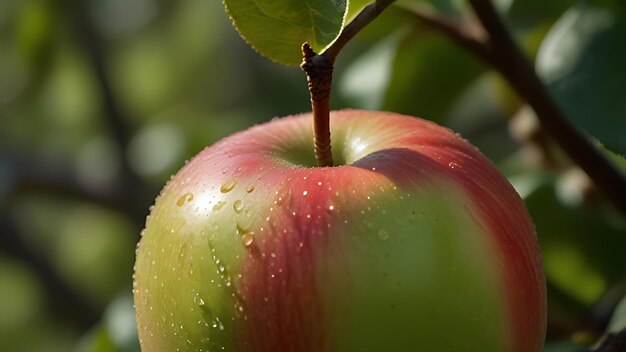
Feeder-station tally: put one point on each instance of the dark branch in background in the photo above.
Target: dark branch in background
(498, 49)
(92, 46)
(32, 175)
(36, 175)
(129, 184)
(319, 71)
(464, 32)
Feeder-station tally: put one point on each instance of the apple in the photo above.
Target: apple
(412, 242)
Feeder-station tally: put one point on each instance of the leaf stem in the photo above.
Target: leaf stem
(319, 71)
(495, 45)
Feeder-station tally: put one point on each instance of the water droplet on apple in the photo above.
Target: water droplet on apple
(454, 165)
(250, 188)
(219, 323)
(238, 206)
(247, 239)
(187, 197)
(228, 185)
(383, 234)
(219, 205)
(305, 193)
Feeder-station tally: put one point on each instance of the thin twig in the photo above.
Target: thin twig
(500, 51)
(319, 71)
(367, 15)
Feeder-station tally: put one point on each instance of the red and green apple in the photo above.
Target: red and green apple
(413, 242)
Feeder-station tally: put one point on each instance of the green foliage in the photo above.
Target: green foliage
(582, 60)
(277, 28)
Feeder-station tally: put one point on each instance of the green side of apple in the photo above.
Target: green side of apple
(189, 259)
(421, 276)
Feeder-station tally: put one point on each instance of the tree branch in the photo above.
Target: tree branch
(500, 51)
(463, 32)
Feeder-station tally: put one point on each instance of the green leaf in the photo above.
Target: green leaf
(278, 28)
(354, 7)
(582, 61)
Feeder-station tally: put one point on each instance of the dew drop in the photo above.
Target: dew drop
(242, 229)
(187, 197)
(250, 188)
(454, 165)
(228, 185)
(331, 207)
(247, 239)
(219, 205)
(238, 206)
(305, 193)
(383, 235)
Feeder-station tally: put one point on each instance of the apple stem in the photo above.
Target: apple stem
(319, 72)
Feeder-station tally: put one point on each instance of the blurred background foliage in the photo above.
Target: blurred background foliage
(102, 100)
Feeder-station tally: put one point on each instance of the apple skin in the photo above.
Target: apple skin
(414, 242)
